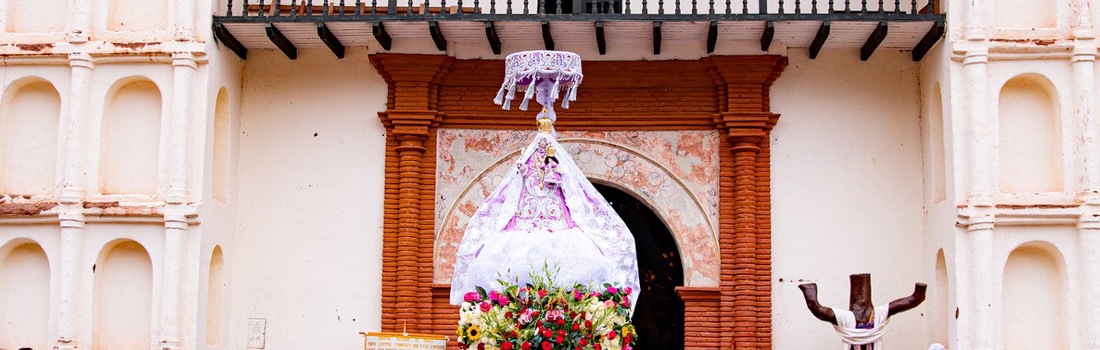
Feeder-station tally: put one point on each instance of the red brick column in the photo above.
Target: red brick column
(410, 121)
(702, 320)
(743, 85)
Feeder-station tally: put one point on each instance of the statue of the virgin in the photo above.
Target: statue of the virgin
(545, 211)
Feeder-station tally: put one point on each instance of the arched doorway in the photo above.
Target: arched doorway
(659, 314)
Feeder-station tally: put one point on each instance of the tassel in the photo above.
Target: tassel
(500, 95)
(507, 103)
(527, 97)
(554, 91)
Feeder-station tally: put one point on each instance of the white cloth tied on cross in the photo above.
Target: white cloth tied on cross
(850, 335)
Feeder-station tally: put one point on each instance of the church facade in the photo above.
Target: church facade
(286, 174)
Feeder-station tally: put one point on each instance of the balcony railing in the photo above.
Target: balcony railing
(289, 24)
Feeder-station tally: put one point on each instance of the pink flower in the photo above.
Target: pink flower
(493, 295)
(542, 293)
(503, 301)
(628, 290)
(610, 304)
(612, 290)
(472, 297)
(485, 307)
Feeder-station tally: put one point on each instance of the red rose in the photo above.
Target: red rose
(572, 315)
(598, 347)
(462, 346)
(584, 342)
(525, 346)
(587, 324)
(576, 326)
(542, 293)
(481, 346)
(546, 345)
(508, 314)
(546, 333)
(506, 346)
(559, 339)
(561, 322)
(611, 335)
(561, 332)
(515, 335)
(627, 339)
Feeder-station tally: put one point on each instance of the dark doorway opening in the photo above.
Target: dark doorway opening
(659, 313)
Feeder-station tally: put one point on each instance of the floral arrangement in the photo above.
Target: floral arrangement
(541, 316)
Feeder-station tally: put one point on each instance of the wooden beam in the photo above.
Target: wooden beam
(712, 36)
(819, 40)
(601, 42)
(769, 34)
(281, 41)
(330, 40)
(437, 36)
(226, 38)
(928, 41)
(547, 38)
(873, 41)
(381, 35)
(656, 38)
(494, 40)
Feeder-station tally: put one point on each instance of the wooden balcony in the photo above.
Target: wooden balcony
(813, 24)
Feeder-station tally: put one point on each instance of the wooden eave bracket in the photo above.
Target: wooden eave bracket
(281, 41)
(330, 40)
(712, 35)
(547, 38)
(873, 41)
(819, 39)
(223, 35)
(928, 41)
(656, 38)
(491, 35)
(437, 35)
(601, 41)
(380, 34)
(768, 36)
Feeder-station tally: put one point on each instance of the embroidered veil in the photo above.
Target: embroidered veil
(545, 211)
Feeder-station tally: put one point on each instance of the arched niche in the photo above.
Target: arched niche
(936, 139)
(138, 15)
(30, 115)
(24, 296)
(215, 298)
(36, 16)
(1030, 136)
(123, 298)
(610, 163)
(129, 152)
(223, 132)
(1034, 315)
(941, 291)
(1025, 14)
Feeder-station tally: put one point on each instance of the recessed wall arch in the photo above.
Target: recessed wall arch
(30, 118)
(223, 134)
(1029, 136)
(1034, 298)
(25, 290)
(130, 138)
(215, 298)
(652, 182)
(123, 297)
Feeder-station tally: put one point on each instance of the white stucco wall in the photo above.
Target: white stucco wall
(307, 254)
(861, 162)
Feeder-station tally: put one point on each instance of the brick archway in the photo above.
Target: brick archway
(729, 94)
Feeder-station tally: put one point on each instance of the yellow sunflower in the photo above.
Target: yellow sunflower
(629, 329)
(473, 333)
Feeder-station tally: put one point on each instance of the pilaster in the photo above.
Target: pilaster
(743, 85)
(410, 120)
(70, 215)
